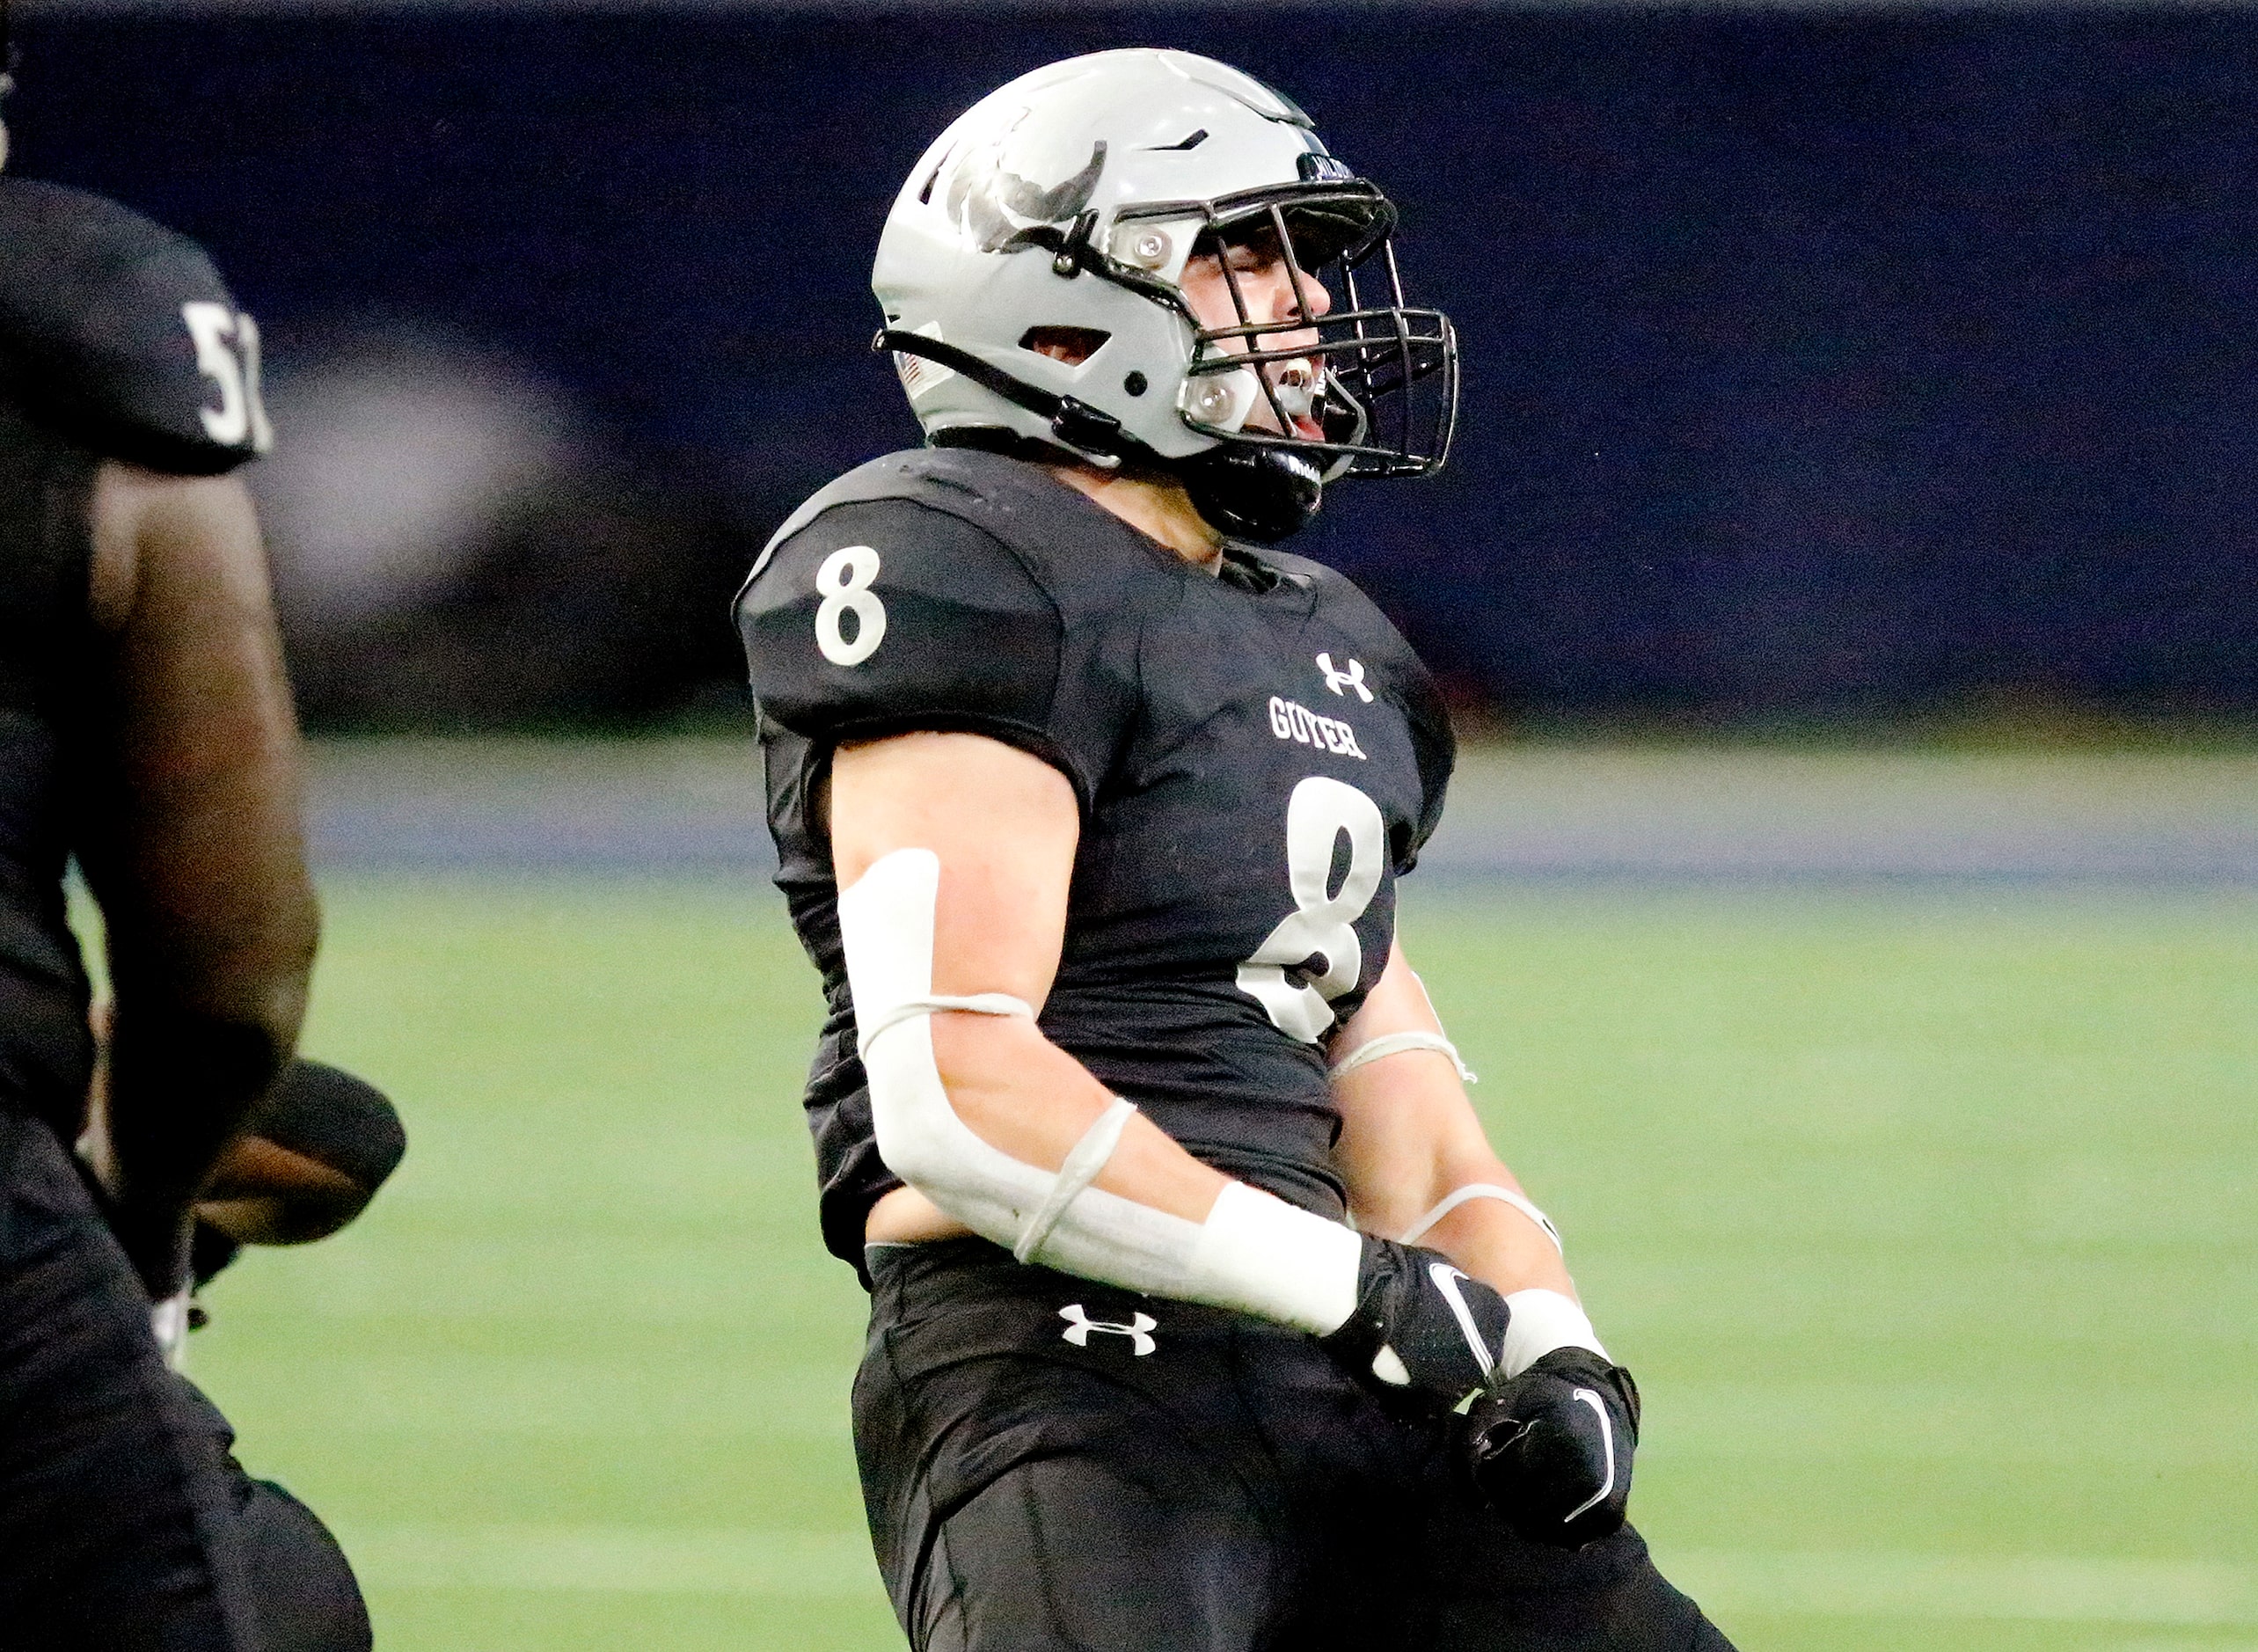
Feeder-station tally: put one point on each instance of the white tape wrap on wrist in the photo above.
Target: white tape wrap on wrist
(1542, 1321)
(1394, 1044)
(1472, 1190)
(1254, 1253)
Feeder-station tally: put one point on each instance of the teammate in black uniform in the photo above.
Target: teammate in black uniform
(145, 728)
(1090, 808)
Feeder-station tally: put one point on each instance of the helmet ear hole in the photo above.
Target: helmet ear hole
(1071, 345)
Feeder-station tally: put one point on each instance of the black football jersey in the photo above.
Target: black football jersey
(1257, 757)
(120, 336)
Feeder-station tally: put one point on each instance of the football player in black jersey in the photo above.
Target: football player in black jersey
(146, 731)
(1204, 1316)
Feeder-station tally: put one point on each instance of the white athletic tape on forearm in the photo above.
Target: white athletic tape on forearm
(1396, 1043)
(1542, 1321)
(1254, 1253)
(1084, 1161)
(1472, 1190)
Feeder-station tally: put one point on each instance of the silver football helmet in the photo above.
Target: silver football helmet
(1067, 204)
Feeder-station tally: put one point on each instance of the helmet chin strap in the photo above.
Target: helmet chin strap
(1262, 493)
(1095, 435)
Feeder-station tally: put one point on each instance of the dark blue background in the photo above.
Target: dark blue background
(1817, 364)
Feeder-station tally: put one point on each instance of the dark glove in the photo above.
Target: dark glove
(1421, 1327)
(338, 1119)
(313, 1155)
(1551, 1449)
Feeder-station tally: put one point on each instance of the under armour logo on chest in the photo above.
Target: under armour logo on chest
(1341, 682)
(1138, 1330)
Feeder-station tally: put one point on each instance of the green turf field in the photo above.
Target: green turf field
(1928, 1223)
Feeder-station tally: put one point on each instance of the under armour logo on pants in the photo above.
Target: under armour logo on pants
(1138, 1330)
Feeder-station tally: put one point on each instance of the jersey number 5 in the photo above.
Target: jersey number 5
(844, 580)
(240, 420)
(1318, 942)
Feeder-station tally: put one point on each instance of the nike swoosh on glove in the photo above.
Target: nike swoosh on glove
(1421, 1327)
(1550, 1450)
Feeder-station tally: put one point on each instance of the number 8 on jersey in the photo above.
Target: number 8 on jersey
(1321, 928)
(844, 580)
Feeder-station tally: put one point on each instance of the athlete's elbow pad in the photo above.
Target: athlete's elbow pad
(1254, 1253)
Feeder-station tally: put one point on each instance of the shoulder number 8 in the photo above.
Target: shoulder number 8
(1318, 939)
(844, 579)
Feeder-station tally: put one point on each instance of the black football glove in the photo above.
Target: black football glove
(1552, 1448)
(1420, 1327)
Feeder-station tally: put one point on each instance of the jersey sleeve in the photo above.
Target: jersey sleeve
(119, 335)
(1436, 747)
(885, 616)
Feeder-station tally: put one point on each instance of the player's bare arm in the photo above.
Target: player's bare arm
(193, 845)
(1553, 1445)
(1410, 1141)
(1004, 825)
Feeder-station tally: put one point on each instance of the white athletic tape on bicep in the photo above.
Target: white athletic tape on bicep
(1394, 1044)
(1472, 1190)
(976, 1004)
(1256, 1252)
(886, 925)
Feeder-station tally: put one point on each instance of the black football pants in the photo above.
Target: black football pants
(303, 1590)
(1053, 1466)
(118, 1528)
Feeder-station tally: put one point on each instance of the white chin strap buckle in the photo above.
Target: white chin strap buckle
(1221, 401)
